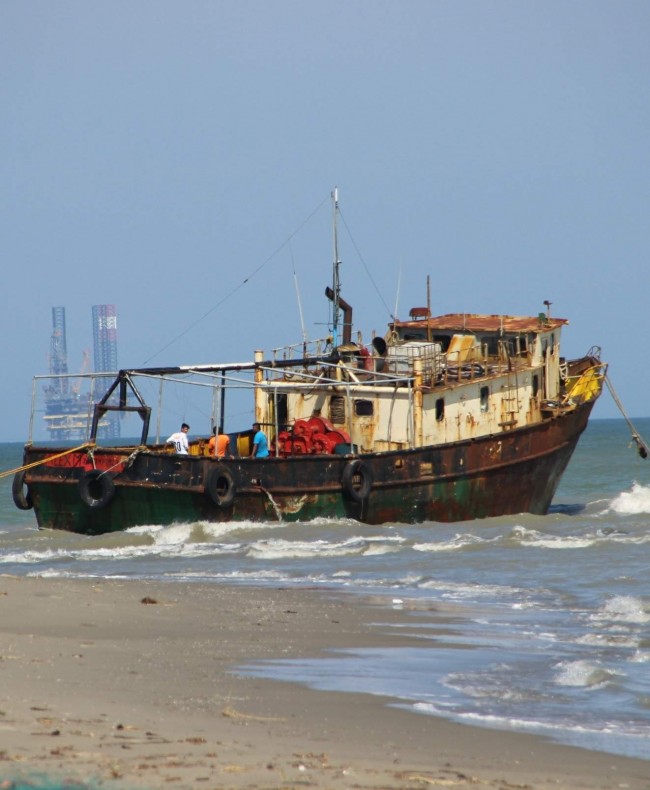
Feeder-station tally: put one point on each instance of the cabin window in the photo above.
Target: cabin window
(364, 408)
(485, 398)
(535, 385)
(337, 409)
(440, 409)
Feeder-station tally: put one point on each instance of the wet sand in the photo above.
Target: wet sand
(134, 685)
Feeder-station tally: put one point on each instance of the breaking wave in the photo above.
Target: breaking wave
(622, 609)
(584, 674)
(633, 502)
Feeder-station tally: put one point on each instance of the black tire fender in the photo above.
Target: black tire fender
(96, 489)
(220, 485)
(357, 480)
(22, 498)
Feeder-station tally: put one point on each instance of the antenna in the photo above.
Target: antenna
(336, 285)
(399, 285)
(428, 308)
(295, 282)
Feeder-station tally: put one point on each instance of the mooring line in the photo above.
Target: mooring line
(45, 460)
(642, 447)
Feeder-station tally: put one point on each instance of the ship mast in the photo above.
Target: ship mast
(336, 285)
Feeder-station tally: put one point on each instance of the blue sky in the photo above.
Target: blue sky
(176, 159)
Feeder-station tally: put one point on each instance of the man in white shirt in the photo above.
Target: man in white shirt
(179, 440)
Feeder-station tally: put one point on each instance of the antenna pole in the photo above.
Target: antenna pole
(429, 294)
(399, 285)
(336, 285)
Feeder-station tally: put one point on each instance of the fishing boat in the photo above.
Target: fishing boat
(438, 419)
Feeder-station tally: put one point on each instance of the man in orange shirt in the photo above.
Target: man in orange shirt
(223, 445)
(219, 444)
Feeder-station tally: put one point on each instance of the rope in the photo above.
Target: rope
(636, 436)
(45, 460)
(129, 461)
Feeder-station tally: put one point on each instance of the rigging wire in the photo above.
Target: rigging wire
(354, 244)
(237, 288)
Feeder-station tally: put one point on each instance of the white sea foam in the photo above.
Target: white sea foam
(396, 540)
(231, 576)
(274, 549)
(516, 723)
(632, 502)
(50, 573)
(640, 657)
(173, 535)
(604, 639)
(162, 548)
(583, 674)
(622, 609)
(145, 529)
(463, 591)
(321, 521)
(536, 539)
(186, 531)
(433, 708)
(457, 543)
(379, 549)
(29, 557)
(491, 720)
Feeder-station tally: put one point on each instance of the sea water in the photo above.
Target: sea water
(529, 623)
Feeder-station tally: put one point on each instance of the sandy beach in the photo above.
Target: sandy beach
(134, 685)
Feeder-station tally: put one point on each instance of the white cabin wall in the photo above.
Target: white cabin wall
(507, 407)
(510, 403)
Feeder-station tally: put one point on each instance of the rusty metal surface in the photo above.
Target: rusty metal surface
(473, 322)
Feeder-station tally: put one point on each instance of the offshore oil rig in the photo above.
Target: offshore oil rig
(68, 403)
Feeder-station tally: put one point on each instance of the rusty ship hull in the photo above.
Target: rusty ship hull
(498, 475)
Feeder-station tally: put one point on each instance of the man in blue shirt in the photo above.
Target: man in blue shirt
(260, 442)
